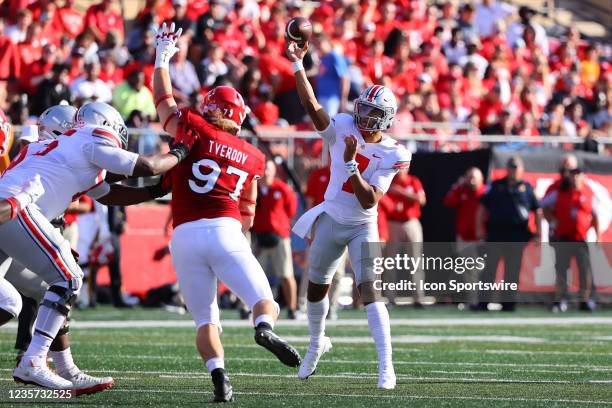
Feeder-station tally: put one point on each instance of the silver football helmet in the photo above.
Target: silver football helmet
(55, 120)
(375, 108)
(102, 114)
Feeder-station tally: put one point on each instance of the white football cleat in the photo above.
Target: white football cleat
(312, 357)
(36, 372)
(386, 378)
(86, 384)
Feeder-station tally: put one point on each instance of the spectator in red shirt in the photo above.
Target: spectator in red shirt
(101, 18)
(316, 186)
(276, 205)
(571, 207)
(68, 20)
(464, 196)
(265, 110)
(408, 197)
(10, 61)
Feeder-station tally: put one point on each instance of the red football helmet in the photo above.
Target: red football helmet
(227, 101)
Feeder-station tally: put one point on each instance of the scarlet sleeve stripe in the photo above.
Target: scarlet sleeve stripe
(44, 243)
(401, 165)
(161, 99)
(106, 135)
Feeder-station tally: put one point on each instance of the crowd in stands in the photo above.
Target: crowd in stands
(483, 64)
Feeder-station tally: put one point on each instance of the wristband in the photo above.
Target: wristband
(15, 207)
(23, 199)
(179, 150)
(162, 98)
(297, 66)
(352, 167)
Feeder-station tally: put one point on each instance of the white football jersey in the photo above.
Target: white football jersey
(378, 164)
(71, 165)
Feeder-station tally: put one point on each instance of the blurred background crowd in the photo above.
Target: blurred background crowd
(457, 68)
(486, 67)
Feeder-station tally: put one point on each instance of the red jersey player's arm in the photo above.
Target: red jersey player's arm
(164, 101)
(248, 200)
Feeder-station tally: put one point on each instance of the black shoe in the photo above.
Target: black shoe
(222, 387)
(265, 337)
(418, 305)
(245, 314)
(291, 314)
(508, 307)
(479, 307)
(587, 306)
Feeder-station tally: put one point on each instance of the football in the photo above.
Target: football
(299, 30)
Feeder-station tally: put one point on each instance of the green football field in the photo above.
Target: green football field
(443, 358)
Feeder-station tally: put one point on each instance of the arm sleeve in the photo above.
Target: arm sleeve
(111, 158)
(329, 134)
(382, 178)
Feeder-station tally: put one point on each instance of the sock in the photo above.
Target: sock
(378, 321)
(214, 363)
(317, 312)
(63, 360)
(48, 323)
(264, 318)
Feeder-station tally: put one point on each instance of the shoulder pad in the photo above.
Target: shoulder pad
(107, 135)
(342, 119)
(398, 158)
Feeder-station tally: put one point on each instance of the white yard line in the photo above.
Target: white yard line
(433, 322)
(373, 395)
(400, 377)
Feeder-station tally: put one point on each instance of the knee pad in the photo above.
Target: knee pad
(10, 299)
(67, 297)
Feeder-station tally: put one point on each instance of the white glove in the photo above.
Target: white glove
(31, 191)
(165, 45)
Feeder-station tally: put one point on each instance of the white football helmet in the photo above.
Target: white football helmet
(55, 120)
(375, 108)
(102, 114)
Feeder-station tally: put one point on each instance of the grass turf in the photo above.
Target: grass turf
(499, 363)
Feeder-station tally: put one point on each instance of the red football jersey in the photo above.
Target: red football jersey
(209, 182)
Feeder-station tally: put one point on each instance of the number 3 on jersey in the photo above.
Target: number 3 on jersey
(210, 178)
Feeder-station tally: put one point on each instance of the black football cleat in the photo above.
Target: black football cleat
(222, 387)
(265, 337)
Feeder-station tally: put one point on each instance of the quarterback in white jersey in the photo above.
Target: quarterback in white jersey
(363, 163)
(73, 164)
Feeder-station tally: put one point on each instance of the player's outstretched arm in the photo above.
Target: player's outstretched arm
(147, 166)
(165, 48)
(118, 194)
(317, 114)
(367, 195)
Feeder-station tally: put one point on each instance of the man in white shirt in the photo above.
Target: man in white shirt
(488, 13)
(90, 87)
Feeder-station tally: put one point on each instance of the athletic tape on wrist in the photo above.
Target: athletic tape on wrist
(297, 66)
(352, 167)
